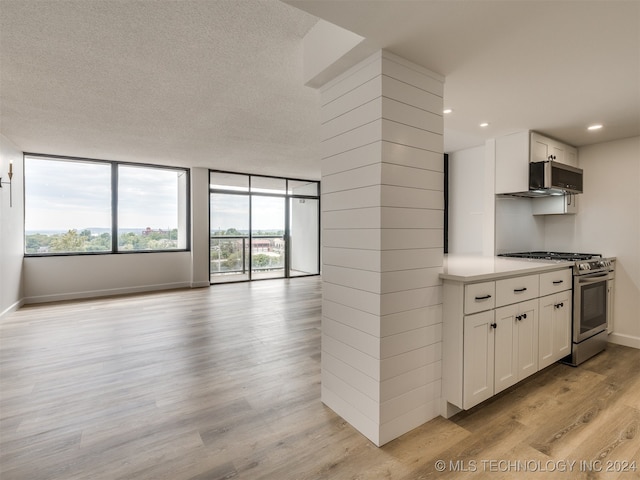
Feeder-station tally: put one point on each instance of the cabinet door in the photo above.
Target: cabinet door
(546, 331)
(527, 338)
(571, 156)
(540, 148)
(506, 354)
(478, 358)
(543, 148)
(562, 325)
(554, 331)
(557, 151)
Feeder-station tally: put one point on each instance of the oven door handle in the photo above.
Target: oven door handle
(593, 278)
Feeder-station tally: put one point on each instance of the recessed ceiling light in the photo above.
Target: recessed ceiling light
(594, 127)
(447, 110)
(484, 124)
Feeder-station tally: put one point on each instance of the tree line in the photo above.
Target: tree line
(84, 241)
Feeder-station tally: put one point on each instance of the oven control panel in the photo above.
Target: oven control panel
(593, 266)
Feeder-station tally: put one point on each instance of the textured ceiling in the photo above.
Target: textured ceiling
(195, 83)
(218, 83)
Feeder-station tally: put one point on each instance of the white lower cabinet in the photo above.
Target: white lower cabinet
(516, 343)
(478, 358)
(500, 349)
(555, 328)
(488, 351)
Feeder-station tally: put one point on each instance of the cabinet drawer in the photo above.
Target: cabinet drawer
(518, 289)
(479, 297)
(553, 282)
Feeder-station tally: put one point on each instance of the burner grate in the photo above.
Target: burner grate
(567, 256)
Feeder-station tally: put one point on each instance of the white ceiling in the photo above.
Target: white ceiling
(218, 83)
(205, 83)
(551, 66)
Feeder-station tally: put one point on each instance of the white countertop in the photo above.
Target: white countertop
(473, 268)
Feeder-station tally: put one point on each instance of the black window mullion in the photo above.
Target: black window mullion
(250, 269)
(114, 207)
(287, 233)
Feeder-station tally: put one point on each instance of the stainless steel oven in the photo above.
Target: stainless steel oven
(590, 307)
(593, 278)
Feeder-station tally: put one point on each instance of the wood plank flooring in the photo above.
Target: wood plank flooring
(224, 382)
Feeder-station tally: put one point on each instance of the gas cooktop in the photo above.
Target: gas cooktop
(566, 256)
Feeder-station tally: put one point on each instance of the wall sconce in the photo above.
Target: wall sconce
(9, 183)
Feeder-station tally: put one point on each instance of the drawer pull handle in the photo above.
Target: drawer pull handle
(484, 297)
(558, 282)
(518, 290)
(493, 325)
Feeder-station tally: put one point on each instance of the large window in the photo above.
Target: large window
(263, 227)
(79, 206)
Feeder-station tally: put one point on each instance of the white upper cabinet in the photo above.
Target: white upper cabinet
(543, 148)
(512, 163)
(514, 153)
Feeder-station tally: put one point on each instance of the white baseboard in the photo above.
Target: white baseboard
(105, 293)
(200, 284)
(12, 308)
(626, 340)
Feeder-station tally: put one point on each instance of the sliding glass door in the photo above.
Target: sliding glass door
(267, 237)
(262, 227)
(229, 237)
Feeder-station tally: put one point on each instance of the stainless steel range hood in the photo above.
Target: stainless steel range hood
(549, 192)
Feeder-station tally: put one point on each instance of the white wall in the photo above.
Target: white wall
(304, 241)
(466, 201)
(471, 201)
(608, 222)
(11, 229)
(200, 227)
(81, 276)
(517, 229)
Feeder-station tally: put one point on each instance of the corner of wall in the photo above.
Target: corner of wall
(11, 227)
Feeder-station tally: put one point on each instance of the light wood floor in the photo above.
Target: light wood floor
(224, 382)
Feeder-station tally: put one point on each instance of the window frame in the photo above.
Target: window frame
(114, 206)
(286, 196)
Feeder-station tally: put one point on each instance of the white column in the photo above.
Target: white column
(200, 227)
(382, 206)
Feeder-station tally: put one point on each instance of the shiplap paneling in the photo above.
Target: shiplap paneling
(403, 363)
(352, 297)
(367, 385)
(391, 217)
(396, 323)
(349, 199)
(395, 260)
(365, 176)
(364, 321)
(382, 217)
(347, 257)
(359, 360)
(397, 154)
(364, 342)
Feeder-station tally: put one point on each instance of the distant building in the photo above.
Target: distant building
(148, 231)
(261, 244)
